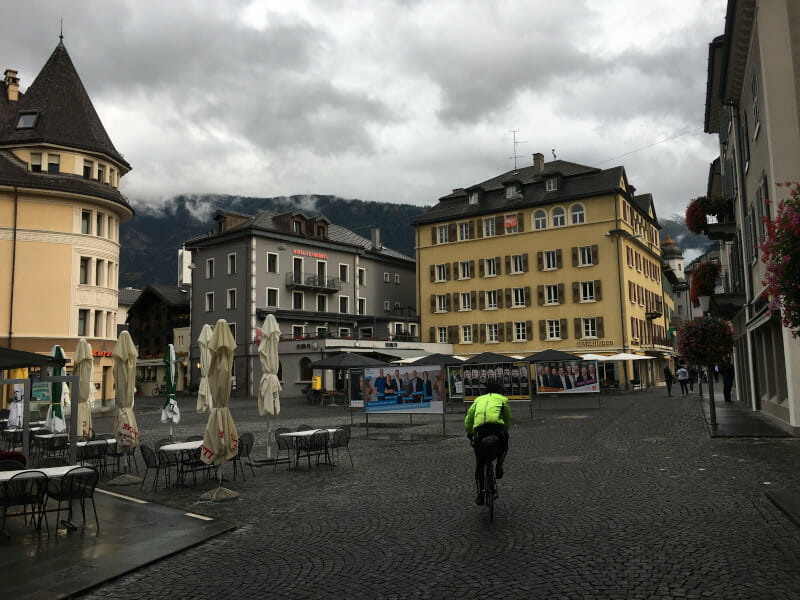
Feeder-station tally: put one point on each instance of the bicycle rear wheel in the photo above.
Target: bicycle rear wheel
(490, 489)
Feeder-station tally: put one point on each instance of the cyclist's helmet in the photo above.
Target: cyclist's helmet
(492, 387)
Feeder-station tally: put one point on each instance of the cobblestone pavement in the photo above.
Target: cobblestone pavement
(631, 500)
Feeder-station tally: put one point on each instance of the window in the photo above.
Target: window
(511, 224)
(387, 305)
(209, 268)
(517, 263)
(83, 273)
(397, 278)
(511, 191)
(590, 327)
(466, 302)
(387, 277)
(491, 268)
(272, 262)
(297, 300)
(297, 227)
(553, 329)
(88, 167)
(587, 291)
(99, 269)
(344, 332)
(83, 316)
(298, 331)
(551, 294)
(101, 173)
(344, 302)
(520, 333)
(488, 227)
(463, 231)
(441, 272)
(26, 120)
(344, 272)
(322, 303)
(550, 260)
(558, 217)
(754, 92)
(362, 306)
(540, 219)
(466, 334)
(443, 234)
(53, 163)
(86, 222)
(491, 299)
(441, 303)
(272, 297)
(585, 256)
(112, 176)
(473, 198)
(36, 162)
(463, 270)
(491, 332)
(320, 231)
(231, 298)
(578, 214)
(551, 184)
(442, 335)
(362, 276)
(99, 229)
(232, 263)
(209, 301)
(519, 297)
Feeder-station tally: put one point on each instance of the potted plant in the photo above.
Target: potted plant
(696, 213)
(781, 254)
(704, 280)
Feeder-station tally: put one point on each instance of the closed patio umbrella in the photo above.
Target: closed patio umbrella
(125, 428)
(204, 399)
(269, 402)
(170, 412)
(59, 393)
(84, 366)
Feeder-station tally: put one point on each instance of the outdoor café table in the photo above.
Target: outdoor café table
(180, 447)
(297, 435)
(96, 442)
(50, 472)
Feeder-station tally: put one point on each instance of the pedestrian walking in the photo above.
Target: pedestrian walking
(668, 380)
(728, 374)
(692, 378)
(683, 379)
(716, 373)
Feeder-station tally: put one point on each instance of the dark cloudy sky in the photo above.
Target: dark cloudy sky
(383, 100)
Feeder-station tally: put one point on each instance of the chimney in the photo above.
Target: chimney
(375, 235)
(12, 85)
(538, 163)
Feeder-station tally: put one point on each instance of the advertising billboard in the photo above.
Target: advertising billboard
(514, 379)
(412, 389)
(566, 377)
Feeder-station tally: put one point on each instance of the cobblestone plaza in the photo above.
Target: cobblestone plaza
(629, 500)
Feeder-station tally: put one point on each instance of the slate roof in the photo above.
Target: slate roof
(171, 294)
(575, 181)
(66, 115)
(127, 296)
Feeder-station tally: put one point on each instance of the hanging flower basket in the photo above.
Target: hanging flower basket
(696, 215)
(781, 254)
(705, 340)
(704, 280)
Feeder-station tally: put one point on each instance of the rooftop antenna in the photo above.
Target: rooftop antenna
(553, 150)
(61, 31)
(516, 142)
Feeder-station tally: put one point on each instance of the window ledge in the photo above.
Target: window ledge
(558, 339)
(489, 276)
(519, 306)
(587, 301)
(583, 266)
(493, 342)
(464, 310)
(519, 341)
(551, 304)
(517, 273)
(491, 308)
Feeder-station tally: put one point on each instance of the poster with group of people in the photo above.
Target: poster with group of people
(410, 389)
(512, 377)
(568, 376)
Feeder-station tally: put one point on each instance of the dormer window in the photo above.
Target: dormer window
(297, 227)
(551, 184)
(320, 231)
(473, 198)
(511, 191)
(88, 167)
(53, 163)
(27, 120)
(36, 162)
(101, 174)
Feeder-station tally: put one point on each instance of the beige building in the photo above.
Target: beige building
(60, 211)
(554, 255)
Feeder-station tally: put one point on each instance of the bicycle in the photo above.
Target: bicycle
(489, 481)
(159, 390)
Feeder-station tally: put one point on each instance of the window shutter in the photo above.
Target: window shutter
(456, 270)
(542, 330)
(432, 333)
(481, 300)
(500, 298)
(723, 125)
(564, 332)
(539, 261)
(433, 303)
(508, 264)
(447, 272)
(499, 226)
(501, 333)
(595, 249)
(481, 270)
(527, 295)
(540, 294)
(574, 256)
(472, 268)
(471, 230)
(452, 232)
(559, 262)
(576, 292)
(525, 262)
(479, 228)
(508, 296)
(576, 326)
(509, 330)
(520, 223)
(598, 290)
(528, 330)
(452, 334)
(601, 330)
(433, 272)
(561, 299)
(457, 300)
(727, 179)
(472, 296)
(497, 266)
(447, 302)
(483, 333)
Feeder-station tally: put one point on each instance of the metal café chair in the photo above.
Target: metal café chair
(28, 488)
(78, 484)
(151, 462)
(283, 444)
(341, 439)
(246, 441)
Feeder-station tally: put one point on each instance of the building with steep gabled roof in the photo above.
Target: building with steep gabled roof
(60, 211)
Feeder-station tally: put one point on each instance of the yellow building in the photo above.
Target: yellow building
(555, 255)
(60, 210)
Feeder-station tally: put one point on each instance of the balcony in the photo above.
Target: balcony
(722, 225)
(313, 282)
(729, 297)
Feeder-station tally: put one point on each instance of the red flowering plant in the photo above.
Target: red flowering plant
(696, 213)
(705, 340)
(781, 254)
(704, 280)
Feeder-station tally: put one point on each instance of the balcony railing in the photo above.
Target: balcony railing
(312, 281)
(729, 296)
(722, 226)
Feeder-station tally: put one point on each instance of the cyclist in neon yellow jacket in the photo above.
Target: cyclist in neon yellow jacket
(487, 421)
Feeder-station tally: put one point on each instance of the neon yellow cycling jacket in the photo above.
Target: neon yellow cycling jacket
(489, 408)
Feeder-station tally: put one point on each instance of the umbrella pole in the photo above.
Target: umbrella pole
(269, 437)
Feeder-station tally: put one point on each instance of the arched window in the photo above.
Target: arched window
(306, 372)
(578, 214)
(540, 220)
(559, 219)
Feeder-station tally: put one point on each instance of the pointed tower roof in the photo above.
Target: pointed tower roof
(669, 248)
(64, 113)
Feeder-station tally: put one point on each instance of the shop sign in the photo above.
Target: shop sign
(310, 253)
(594, 343)
(101, 354)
